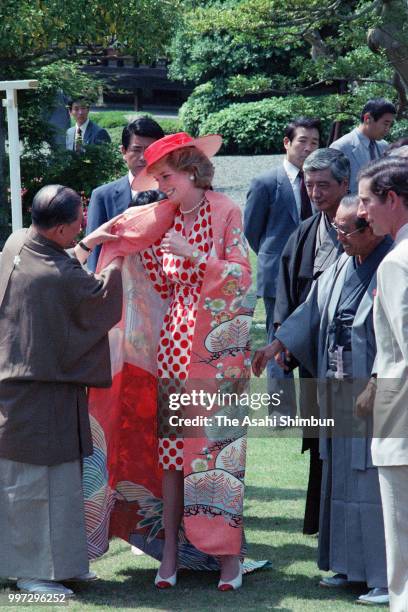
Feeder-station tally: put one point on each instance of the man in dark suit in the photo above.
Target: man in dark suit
(276, 203)
(310, 250)
(109, 200)
(84, 131)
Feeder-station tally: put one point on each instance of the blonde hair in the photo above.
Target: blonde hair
(191, 160)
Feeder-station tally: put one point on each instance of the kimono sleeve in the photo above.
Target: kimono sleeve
(284, 304)
(95, 303)
(300, 332)
(231, 274)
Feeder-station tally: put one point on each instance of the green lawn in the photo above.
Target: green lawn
(275, 493)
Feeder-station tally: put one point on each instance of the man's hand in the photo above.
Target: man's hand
(102, 234)
(365, 401)
(175, 244)
(99, 236)
(265, 354)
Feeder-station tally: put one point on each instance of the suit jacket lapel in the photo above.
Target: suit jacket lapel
(284, 193)
(357, 150)
(88, 133)
(123, 195)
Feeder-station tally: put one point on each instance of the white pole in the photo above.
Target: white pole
(14, 156)
(10, 103)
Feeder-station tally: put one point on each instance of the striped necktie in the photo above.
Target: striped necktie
(78, 140)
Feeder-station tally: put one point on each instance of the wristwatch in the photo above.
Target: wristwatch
(84, 247)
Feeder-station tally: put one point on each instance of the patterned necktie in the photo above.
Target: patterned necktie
(78, 140)
(305, 206)
(372, 147)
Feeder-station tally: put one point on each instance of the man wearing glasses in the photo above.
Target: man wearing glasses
(84, 131)
(332, 335)
(111, 199)
(310, 250)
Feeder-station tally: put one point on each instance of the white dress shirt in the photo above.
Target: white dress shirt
(294, 178)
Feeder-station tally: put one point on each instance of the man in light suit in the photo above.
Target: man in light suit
(84, 131)
(274, 210)
(364, 143)
(109, 200)
(383, 192)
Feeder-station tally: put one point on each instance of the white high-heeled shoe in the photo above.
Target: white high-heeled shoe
(231, 585)
(165, 583)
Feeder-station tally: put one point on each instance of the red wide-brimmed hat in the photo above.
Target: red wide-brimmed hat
(209, 145)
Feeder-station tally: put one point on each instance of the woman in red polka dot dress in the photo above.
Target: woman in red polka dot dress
(179, 278)
(176, 265)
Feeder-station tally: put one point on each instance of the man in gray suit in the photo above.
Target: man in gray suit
(277, 202)
(84, 131)
(364, 143)
(383, 192)
(109, 200)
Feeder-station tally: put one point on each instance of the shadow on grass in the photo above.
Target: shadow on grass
(282, 557)
(273, 523)
(272, 493)
(196, 591)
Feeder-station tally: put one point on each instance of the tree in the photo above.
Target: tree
(48, 40)
(312, 46)
(42, 31)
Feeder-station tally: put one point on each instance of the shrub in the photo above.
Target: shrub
(115, 119)
(257, 127)
(205, 99)
(109, 119)
(98, 164)
(170, 125)
(399, 130)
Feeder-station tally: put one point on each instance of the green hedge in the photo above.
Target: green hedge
(256, 127)
(399, 130)
(115, 119)
(206, 99)
(98, 164)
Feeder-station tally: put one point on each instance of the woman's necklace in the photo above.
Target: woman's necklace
(185, 212)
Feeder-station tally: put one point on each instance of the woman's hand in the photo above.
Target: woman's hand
(176, 245)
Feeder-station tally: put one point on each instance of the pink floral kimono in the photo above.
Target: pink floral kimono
(122, 479)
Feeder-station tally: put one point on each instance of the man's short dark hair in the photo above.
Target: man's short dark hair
(308, 123)
(142, 126)
(79, 100)
(55, 205)
(377, 107)
(387, 174)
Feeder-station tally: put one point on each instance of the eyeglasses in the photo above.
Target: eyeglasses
(347, 234)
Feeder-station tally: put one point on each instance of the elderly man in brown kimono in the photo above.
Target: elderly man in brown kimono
(54, 321)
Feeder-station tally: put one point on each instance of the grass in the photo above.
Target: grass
(275, 494)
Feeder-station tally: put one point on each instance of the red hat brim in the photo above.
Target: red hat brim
(209, 145)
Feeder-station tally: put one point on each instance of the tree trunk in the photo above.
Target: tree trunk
(391, 36)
